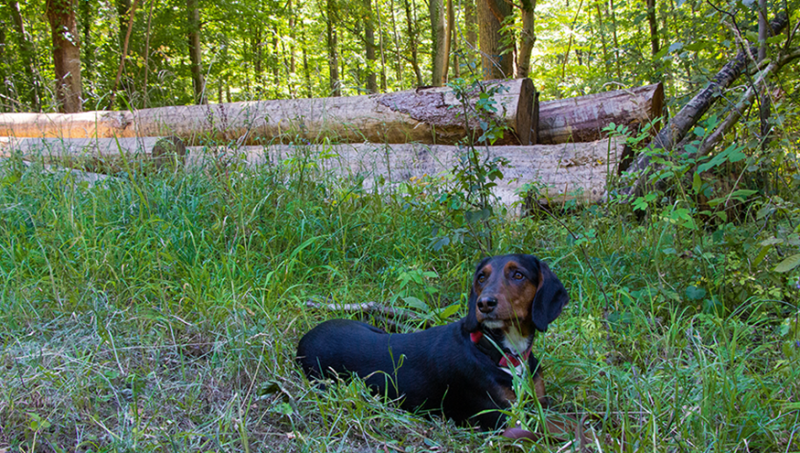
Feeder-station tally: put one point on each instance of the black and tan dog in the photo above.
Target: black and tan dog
(460, 369)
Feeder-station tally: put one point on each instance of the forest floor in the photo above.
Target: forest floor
(162, 313)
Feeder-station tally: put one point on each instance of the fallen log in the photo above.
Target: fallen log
(425, 115)
(102, 155)
(582, 119)
(571, 171)
(680, 124)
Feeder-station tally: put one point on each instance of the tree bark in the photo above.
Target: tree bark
(104, 155)
(424, 115)
(27, 56)
(439, 43)
(574, 171)
(66, 54)
(333, 52)
(688, 116)
(196, 53)
(582, 119)
(497, 56)
(527, 38)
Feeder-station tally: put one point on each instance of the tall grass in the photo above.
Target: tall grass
(161, 313)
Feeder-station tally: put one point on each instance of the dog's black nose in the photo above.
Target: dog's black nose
(487, 304)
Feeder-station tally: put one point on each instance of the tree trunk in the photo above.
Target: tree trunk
(736, 112)
(196, 53)
(3, 79)
(398, 64)
(582, 119)
(497, 56)
(688, 116)
(617, 60)
(602, 33)
(527, 38)
(104, 155)
(423, 115)
(574, 171)
(439, 43)
(66, 54)
(369, 44)
(123, 6)
(651, 19)
(124, 53)
(306, 69)
(471, 25)
(86, 13)
(333, 52)
(764, 102)
(411, 22)
(145, 87)
(27, 56)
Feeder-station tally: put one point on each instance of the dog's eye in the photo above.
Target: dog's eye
(481, 278)
(518, 275)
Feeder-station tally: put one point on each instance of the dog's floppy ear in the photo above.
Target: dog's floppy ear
(471, 321)
(550, 298)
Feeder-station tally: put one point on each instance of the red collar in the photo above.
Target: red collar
(508, 359)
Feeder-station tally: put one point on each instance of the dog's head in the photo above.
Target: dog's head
(514, 291)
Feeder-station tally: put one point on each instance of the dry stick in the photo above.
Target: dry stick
(368, 307)
(124, 54)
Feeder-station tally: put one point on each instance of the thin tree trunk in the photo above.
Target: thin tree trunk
(196, 52)
(602, 33)
(764, 102)
(450, 39)
(146, 88)
(306, 70)
(688, 116)
(616, 41)
(412, 41)
(497, 56)
(384, 86)
(66, 54)
(398, 56)
(124, 53)
(528, 38)
(333, 55)
(85, 10)
(369, 44)
(27, 56)
(453, 36)
(123, 6)
(735, 114)
(471, 25)
(651, 19)
(439, 43)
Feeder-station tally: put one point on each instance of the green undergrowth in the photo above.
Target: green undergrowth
(162, 312)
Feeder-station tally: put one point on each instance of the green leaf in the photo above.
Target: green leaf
(695, 293)
(697, 183)
(413, 302)
(788, 264)
(449, 311)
